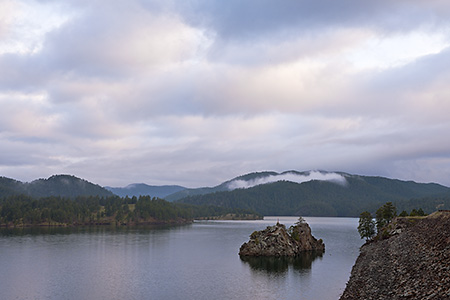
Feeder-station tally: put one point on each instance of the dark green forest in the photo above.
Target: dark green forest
(66, 199)
(142, 189)
(223, 187)
(324, 198)
(57, 185)
(22, 210)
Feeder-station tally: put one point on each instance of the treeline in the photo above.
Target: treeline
(283, 198)
(24, 210)
(57, 185)
(323, 198)
(383, 216)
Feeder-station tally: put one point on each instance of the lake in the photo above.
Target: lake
(195, 261)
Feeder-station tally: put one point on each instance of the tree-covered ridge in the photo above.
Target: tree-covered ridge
(142, 189)
(384, 217)
(311, 198)
(225, 186)
(325, 198)
(194, 192)
(94, 210)
(9, 187)
(57, 185)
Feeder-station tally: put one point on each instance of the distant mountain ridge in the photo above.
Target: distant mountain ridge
(142, 189)
(308, 193)
(320, 193)
(57, 185)
(263, 177)
(219, 188)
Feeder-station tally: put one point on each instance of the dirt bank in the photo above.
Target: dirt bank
(414, 263)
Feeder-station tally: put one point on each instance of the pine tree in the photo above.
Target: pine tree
(385, 214)
(366, 227)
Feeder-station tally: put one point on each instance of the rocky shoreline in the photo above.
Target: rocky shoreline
(411, 262)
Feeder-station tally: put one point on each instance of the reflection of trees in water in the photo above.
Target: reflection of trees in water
(23, 231)
(97, 229)
(281, 264)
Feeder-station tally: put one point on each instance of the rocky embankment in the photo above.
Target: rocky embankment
(278, 241)
(411, 262)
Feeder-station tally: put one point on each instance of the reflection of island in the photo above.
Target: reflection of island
(274, 264)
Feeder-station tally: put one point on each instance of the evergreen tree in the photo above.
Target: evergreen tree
(403, 214)
(366, 227)
(417, 212)
(385, 214)
(420, 212)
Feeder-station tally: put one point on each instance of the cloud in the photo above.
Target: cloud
(122, 42)
(24, 24)
(292, 177)
(249, 20)
(6, 11)
(101, 40)
(198, 92)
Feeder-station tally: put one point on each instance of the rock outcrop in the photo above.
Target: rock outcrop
(278, 241)
(410, 261)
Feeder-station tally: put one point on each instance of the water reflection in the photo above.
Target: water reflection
(195, 261)
(281, 264)
(38, 231)
(62, 230)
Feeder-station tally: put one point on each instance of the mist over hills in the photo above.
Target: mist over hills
(309, 193)
(320, 193)
(250, 180)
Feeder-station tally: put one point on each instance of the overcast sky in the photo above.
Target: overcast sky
(197, 92)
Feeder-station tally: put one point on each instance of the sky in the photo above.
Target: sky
(197, 92)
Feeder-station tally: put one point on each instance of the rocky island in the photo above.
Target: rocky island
(278, 241)
(411, 260)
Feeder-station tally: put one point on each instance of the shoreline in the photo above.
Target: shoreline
(99, 224)
(152, 222)
(411, 263)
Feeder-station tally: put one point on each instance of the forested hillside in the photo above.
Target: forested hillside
(333, 194)
(95, 210)
(142, 189)
(326, 198)
(57, 185)
(219, 188)
(64, 200)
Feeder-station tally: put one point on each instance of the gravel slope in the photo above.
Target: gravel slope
(414, 263)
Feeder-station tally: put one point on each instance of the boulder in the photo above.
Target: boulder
(278, 241)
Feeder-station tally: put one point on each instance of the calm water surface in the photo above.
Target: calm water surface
(197, 261)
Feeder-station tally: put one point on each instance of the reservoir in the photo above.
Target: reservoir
(195, 261)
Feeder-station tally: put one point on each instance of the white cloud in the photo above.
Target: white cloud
(27, 115)
(27, 23)
(192, 93)
(381, 52)
(123, 41)
(292, 177)
(7, 9)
